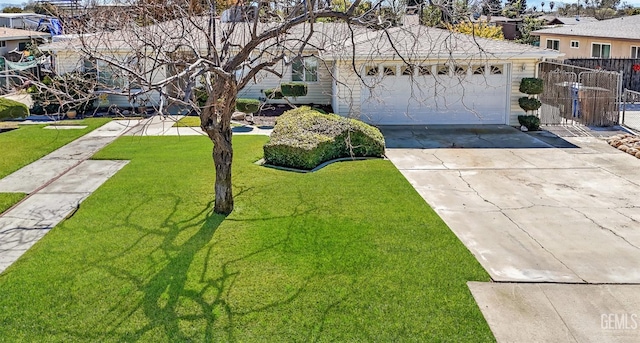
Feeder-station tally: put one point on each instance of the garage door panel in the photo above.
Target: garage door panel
(472, 99)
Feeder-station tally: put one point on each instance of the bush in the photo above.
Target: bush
(531, 85)
(10, 109)
(71, 91)
(530, 122)
(529, 104)
(293, 89)
(304, 138)
(247, 105)
(273, 93)
(201, 96)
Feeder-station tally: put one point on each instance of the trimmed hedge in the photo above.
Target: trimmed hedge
(532, 123)
(305, 138)
(273, 93)
(529, 104)
(531, 85)
(10, 109)
(247, 105)
(293, 89)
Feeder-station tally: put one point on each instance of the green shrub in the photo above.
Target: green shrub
(273, 93)
(529, 104)
(201, 96)
(293, 89)
(10, 109)
(531, 85)
(530, 122)
(304, 138)
(247, 105)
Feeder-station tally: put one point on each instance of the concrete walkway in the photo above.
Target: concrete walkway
(163, 126)
(533, 213)
(57, 183)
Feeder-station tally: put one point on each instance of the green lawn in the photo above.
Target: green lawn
(350, 253)
(193, 121)
(188, 121)
(30, 142)
(8, 199)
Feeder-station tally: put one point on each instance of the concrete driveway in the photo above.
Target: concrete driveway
(534, 208)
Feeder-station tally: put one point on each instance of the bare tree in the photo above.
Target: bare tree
(197, 47)
(168, 54)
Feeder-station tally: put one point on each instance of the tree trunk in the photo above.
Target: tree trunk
(216, 122)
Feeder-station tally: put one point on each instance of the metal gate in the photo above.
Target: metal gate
(575, 95)
(631, 109)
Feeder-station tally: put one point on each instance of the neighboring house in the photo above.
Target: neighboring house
(510, 26)
(17, 40)
(439, 77)
(619, 37)
(576, 20)
(24, 21)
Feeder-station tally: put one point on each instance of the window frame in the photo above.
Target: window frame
(305, 73)
(593, 44)
(554, 43)
(637, 48)
(577, 45)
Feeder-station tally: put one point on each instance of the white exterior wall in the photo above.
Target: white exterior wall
(317, 92)
(517, 73)
(349, 86)
(66, 62)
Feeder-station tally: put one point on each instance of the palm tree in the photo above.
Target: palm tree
(551, 5)
(542, 6)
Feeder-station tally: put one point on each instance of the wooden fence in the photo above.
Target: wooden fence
(630, 68)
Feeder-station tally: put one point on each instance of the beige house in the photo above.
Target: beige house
(17, 39)
(428, 76)
(613, 38)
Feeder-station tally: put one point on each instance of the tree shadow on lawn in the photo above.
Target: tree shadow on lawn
(169, 288)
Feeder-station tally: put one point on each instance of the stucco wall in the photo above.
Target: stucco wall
(619, 48)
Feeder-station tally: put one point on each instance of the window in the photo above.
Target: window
(553, 44)
(22, 46)
(575, 44)
(407, 70)
(461, 70)
(635, 52)
(109, 77)
(496, 70)
(478, 70)
(600, 50)
(371, 71)
(424, 70)
(3, 44)
(443, 70)
(389, 70)
(304, 69)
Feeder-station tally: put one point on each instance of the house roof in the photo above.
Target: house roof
(423, 42)
(575, 20)
(14, 34)
(624, 28)
(330, 39)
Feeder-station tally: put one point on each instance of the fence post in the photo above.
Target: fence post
(624, 105)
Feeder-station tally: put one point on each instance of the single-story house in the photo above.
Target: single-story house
(510, 26)
(17, 39)
(617, 37)
(427, 76)
(575, 20)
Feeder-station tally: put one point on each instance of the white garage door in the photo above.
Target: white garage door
(435, 94)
